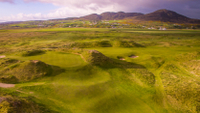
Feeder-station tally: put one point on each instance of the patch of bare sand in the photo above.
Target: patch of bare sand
(2, 85)
(133, 56)
(3, 56)
(121, 59)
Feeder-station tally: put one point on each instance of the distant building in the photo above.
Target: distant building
(151, 28)
(162, 28)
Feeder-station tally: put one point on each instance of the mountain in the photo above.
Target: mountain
(117, 16)
(110, 16)
(166, 16)
(91, 17)
(69, 18)
(162, 15)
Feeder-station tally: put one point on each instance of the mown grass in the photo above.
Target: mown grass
(162, 79)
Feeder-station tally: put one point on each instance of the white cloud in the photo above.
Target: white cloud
(76, 8)
(98, 4)
(63, 12)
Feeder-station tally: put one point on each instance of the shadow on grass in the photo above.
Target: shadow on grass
(32, 53)
(91, 70)
(114, 63)
(116, 104)
(93, 91)
(56, 70)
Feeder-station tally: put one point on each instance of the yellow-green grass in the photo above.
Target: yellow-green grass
(165, 31)
(85, 88)
(56, 58)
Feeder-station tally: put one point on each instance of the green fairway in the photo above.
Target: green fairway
(64, 60)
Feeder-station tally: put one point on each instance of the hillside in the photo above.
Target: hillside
(162, 15)
(110, 16)
(166, 16)
(91, 17)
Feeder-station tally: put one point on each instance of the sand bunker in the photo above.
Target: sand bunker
(35, 61)
(133, 56)
(2, 85)
(121, 59)
(3, 56)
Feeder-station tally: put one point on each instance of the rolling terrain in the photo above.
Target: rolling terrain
(98, 70)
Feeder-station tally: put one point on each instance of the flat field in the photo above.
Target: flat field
(155, 71)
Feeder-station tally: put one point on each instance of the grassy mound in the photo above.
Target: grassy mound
(103, 43)
(95, 57)
(25, 71)
(121, 43)
(182, 90)
(6, 65)
(11, 104)
(89, 44)
(7, 61)
(31, 70)
(33, 52)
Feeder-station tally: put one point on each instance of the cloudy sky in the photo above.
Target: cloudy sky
(20, 10)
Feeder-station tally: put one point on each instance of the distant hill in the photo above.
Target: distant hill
(11, 22)
(159, 15)
(110, 16)
(91, 17)
(162, 15)
(118, 16)
(70, 18)
(166, 16)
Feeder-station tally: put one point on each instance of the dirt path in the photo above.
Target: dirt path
(83, 57)
(80, 55)
(2, 85)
